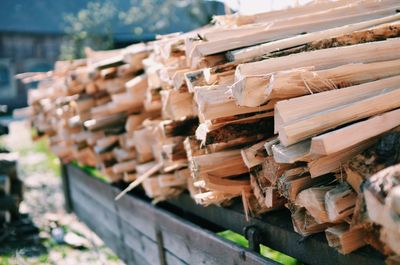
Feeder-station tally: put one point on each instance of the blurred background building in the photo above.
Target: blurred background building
(32, 33)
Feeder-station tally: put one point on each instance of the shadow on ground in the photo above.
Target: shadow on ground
(21, 238)
(45, 233)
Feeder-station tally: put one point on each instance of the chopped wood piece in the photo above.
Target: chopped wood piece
(272, 170)
(280, 30)
(309, 38)
(254, 155)
(304, 223)
(221, 164)
(293, 153)
(214, 102)
(330, 118)
(393, 260)
(351, 135)
(218, 75)
(122, 167)
(177, 105)
(182, 127)
(354, 178)
(374, 159)
(268, 145)
(345, 239)
(134, 121)
(297, 179)
(340, 202)
(334, 162)
(325, 58)
(129, 177)
(261, 128)
(381, 195)
(288, 111)
(108, 121)
(212, 197)
(313, 199)
(233, 187)
(252, 91)
(142, 142)
(106, 144)
(266, 194)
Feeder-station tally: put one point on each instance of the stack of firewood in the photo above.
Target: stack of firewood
(84, 106)
(282, 109)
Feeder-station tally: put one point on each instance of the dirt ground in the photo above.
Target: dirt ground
(62, 239)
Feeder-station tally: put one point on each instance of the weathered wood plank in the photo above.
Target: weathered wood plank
(183, 242)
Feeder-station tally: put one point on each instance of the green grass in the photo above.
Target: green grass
(51, 162)
(264, 250)
(92, 171)
(40, 146)
(112, 257)
(43, 259)
(5, 260)
(2, 146)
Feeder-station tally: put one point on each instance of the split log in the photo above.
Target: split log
(163, 186)
(272, 170)
(221, 164)
(345, 239)
(244, 128)
(228, 186)
(107, 121)
(288, 111)
(177, 105)
(182, 127)
(331, 18)
(308, 39)
(194, 147)
(267, 195)
(313, 199)
(128, 166)
(351, 135)
(106, 144)
(218, 75)
(393, 260)
(252, 91)
(254, 155)
(382, 198)
(340, 202)
(133, 101)
(292, 153)
(330, 118)
(383, 154)
(142, 143)
(84, 104)
(297, 179)
(134, 121)
(324, 59)
(304, 223)
(375, 34)
(122, 155)
(214, 102)
(333, 162)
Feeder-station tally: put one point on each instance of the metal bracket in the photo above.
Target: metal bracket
(160, 246)
(253, 236)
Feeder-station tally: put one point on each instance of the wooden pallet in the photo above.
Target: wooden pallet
(181, 232)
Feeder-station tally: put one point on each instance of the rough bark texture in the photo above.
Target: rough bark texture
(378, 34)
